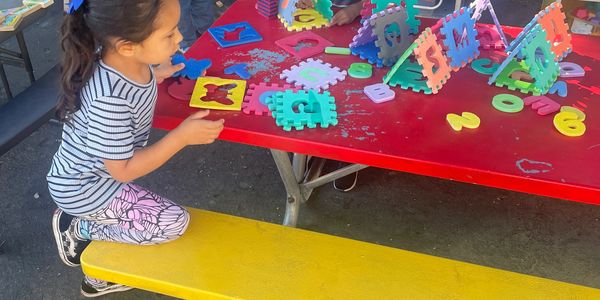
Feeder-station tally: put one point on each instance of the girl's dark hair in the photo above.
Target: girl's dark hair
(91, 28)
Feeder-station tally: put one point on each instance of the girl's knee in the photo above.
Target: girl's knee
(175, 222)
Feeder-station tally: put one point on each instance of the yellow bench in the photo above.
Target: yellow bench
(224, 257)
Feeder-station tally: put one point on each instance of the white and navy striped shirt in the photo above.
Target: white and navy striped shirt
(114, 120)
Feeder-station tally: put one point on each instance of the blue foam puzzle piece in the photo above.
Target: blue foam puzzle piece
(239, 69)
(287, 12)
(193, 67)
(468, 49)
(560, 87)
(247, 35)
(369, 52)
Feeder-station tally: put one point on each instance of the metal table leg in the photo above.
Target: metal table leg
(25, 56)
(300, 182)
(5, 82)
(294, 196)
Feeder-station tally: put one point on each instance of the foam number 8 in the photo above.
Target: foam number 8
(468, 120)
(508, 103)
(360, 70)
(569, 124)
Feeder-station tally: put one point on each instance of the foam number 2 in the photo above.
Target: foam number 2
(569, 123)
(468, 120)
(379, 92)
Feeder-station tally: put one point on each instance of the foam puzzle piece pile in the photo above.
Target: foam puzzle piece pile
(303, 109)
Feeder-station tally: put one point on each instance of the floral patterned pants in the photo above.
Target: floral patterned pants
(136, 216)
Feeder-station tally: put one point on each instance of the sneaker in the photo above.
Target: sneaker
(91, 290)
(69, 246)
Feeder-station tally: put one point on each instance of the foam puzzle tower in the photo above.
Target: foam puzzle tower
(383, 37)
(445, 47)
(543, 43)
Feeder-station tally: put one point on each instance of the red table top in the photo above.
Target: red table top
(521, 152)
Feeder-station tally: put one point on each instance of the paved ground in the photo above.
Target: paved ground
(513, 231)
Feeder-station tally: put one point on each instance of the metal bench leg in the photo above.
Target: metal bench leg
(25, 56)
(5, 82)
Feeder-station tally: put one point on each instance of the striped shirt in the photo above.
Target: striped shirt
(114, 120)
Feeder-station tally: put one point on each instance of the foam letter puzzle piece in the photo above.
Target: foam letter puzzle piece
(286, 11)
(460, 38)
(244, 33)
(239, 69)
(255, 101)
(560, 87)
(234, 89)
(300, 109)
(467, 119)
(569, 70)
(368, 52)
(557, 31)
(568, 124)
(489, 38)
(324, 8)
(305, 19)
(371, 7)
(429, 55)
(193, 68)
(507, 103)
(392, 32)
(313, 75)
(540, 59)
(505, 79)
(409, 76)
(293, 44)
(379, 93)
(360, 70)
(479, 65)
(542, 104)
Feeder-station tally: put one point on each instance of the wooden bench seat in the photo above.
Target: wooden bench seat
(224, 257)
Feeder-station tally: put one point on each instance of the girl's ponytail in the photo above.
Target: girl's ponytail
(77, 63)
(91, 26)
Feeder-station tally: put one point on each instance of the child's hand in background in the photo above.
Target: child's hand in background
(302, 4)
(166, 70)
(347, 14)
(195, 130)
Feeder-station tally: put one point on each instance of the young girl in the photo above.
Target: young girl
(107, 103)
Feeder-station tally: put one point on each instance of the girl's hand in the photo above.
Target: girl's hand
(302, 4)
(195, 130)
(166, 70)
(346, 15)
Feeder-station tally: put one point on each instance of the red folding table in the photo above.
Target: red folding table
(520, 152)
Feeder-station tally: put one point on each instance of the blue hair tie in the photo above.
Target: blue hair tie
(74, 5)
